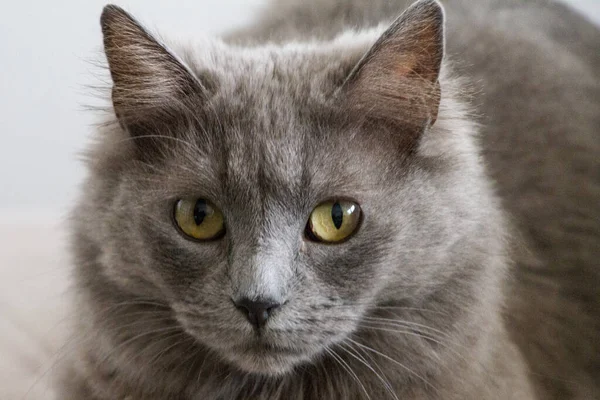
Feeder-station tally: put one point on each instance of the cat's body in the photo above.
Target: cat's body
(494, 305)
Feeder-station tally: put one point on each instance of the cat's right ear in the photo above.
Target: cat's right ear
(152, 87)
(397, 80)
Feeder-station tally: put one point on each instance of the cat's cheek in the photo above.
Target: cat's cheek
(129, 276)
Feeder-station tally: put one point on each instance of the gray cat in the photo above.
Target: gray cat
(330, 204)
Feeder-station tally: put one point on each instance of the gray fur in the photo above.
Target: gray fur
(481, 251)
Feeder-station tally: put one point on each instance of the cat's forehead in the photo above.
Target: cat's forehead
(283, 77)
(312, 67)
(271, 112)
(265, 104)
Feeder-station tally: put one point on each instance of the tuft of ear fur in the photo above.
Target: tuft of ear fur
(151, 86)
(396, 81)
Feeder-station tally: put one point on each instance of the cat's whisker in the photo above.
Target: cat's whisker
(159, 332)
(201, 370)
(376, 306)
(407, 369)
(193, 352)
(349, 351)
(134, 309)
(142, 324)
(141, 317)
(135, 303)
(401, 331)
(363, 321)
(366, 354)
(428, 336)
(162, 340)
(464, 308)
(186, 338)
(345, 366)
(405, 323)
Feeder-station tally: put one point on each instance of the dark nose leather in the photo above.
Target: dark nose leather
(257, 311)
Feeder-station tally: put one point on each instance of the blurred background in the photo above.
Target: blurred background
(47, 53)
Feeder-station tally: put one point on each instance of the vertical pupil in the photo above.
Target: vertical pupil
(200, 211)
(337, 215)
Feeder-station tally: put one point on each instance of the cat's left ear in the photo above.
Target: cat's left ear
(152, 87)
(396, 82)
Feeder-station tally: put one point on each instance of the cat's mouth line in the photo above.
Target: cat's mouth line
(267, 349)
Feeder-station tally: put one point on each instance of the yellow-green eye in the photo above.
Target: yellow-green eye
(333, 221)
(199, 219)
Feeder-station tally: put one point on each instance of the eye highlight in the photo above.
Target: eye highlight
(333, 221)
(199, 219)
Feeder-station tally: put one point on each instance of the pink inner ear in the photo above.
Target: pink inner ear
(418, 55)
(412, 47)
(405, 65)
(396, 82)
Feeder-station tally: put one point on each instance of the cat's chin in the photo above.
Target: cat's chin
(266, 361)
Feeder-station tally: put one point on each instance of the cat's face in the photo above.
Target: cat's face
(266, 185)
(266, 141)
(266, 167)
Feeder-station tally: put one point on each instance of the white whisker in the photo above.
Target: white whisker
(365, 363)
(410, 371)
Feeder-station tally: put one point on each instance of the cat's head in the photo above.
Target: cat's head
(272, 195)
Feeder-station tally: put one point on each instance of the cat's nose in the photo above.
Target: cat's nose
(257, 311)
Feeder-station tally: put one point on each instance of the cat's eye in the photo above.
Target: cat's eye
(199, 219)
(333, 221)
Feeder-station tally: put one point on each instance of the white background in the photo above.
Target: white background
(46, 54)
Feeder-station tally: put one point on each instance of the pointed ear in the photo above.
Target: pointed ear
(397, 80)
(151, 86)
